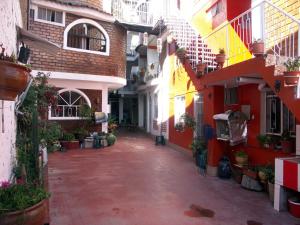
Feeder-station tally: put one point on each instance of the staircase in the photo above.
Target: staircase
(186, 37)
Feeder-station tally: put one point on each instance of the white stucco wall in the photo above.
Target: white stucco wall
(10, 17)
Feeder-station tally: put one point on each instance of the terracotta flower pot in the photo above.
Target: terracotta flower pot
(262, 176)
(34, 215)
(220, 59)
(241, 160)
(200, 69)
(291, 78)
(257, 48)
(13, 80)
(70, 144)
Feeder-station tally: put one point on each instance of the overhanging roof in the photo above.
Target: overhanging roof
(32, 39)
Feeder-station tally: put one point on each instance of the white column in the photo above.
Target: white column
(121, 103)
(104, 106)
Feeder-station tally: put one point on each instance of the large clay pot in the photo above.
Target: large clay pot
(220, 59)
(70, 144)
(257, 48)
(291, 78)
(13, 80)
(241, 160)
(34, 215)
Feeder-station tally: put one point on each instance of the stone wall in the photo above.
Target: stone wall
(10, 17)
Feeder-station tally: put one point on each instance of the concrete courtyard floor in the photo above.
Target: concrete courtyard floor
(135, 182)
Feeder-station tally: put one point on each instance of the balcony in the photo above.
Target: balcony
(265, 22)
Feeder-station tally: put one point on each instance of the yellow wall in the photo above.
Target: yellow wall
(234, 47)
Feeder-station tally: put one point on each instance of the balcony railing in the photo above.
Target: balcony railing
(277, 29)
(137, 12)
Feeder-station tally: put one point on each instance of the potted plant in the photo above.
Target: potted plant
(179, 127)
(263, 172)
(201, 66)
(199, 151)
(111, 139)
(264, 140)
(292, 73)
(241, 157)
(188, 121)
(69, 141)
(257, 47)
(286, 142)
(181, 54)
(22, 204)
(220, 58)
(13, 77)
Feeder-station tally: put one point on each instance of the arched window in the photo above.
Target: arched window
(86, 35)
(71, 105)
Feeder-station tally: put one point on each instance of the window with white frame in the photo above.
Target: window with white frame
(179, 108)
(88, 37)
(50, 15)
(198, 114)
(278, 117)
(155, 105)
(71, 105)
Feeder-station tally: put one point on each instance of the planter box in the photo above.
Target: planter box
(13, 80)
(294, 206)
(291, 78)
(70, 144)
(34, 215)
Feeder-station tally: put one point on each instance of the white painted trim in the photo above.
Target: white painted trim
(94, 23)
(81, 11)
(35, 8)
(50, 117)
(109, 80)
(78, 92)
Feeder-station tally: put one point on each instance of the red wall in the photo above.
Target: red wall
(235, 8)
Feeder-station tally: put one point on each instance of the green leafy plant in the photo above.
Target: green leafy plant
(188, 121)
(111, 139)
(265, 140)
(68, 137)
(180, 50)
(112, 124)
(19, 197)
(292, 64)
(221, 51)
(197, 146)
(80, 133)
(179, 126)
(241, 153)
(51, 133)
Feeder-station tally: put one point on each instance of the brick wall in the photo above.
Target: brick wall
(77, 62)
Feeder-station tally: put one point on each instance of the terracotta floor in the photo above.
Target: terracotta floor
(136, 183)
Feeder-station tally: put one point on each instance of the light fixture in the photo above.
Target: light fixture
(159, 45)
(145, 39)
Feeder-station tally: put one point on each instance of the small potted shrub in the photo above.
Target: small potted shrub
(181, 54)
(257, 47)
(188, 121)
(241, 158)
(199, 151)
(286, 142)
(220, 58)
(270, 177)
(263, 172)
(292, 73)
(69, 141)
(179, 127)
(22, 204)
(201, 66)
(264, 140)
